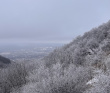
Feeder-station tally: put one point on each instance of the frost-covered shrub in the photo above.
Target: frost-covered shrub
(106, 46)
(101, 86)
(12, 77)
(57, 80)
(79, 56)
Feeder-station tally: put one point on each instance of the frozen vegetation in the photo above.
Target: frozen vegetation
(82, 66)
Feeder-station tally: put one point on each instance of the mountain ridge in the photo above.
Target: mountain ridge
(4, 61)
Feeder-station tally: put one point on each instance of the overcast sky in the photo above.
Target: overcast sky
(50, 20)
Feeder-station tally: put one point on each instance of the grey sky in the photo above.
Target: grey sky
(50, 20)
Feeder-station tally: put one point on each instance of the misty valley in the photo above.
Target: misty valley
(26, 53)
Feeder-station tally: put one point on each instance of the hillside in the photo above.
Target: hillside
(82, 66)
(4, 61)
(93, 45)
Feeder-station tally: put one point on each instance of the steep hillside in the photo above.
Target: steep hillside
(84, 50)
(4, 61)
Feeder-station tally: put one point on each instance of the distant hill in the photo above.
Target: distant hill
(4, 61)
